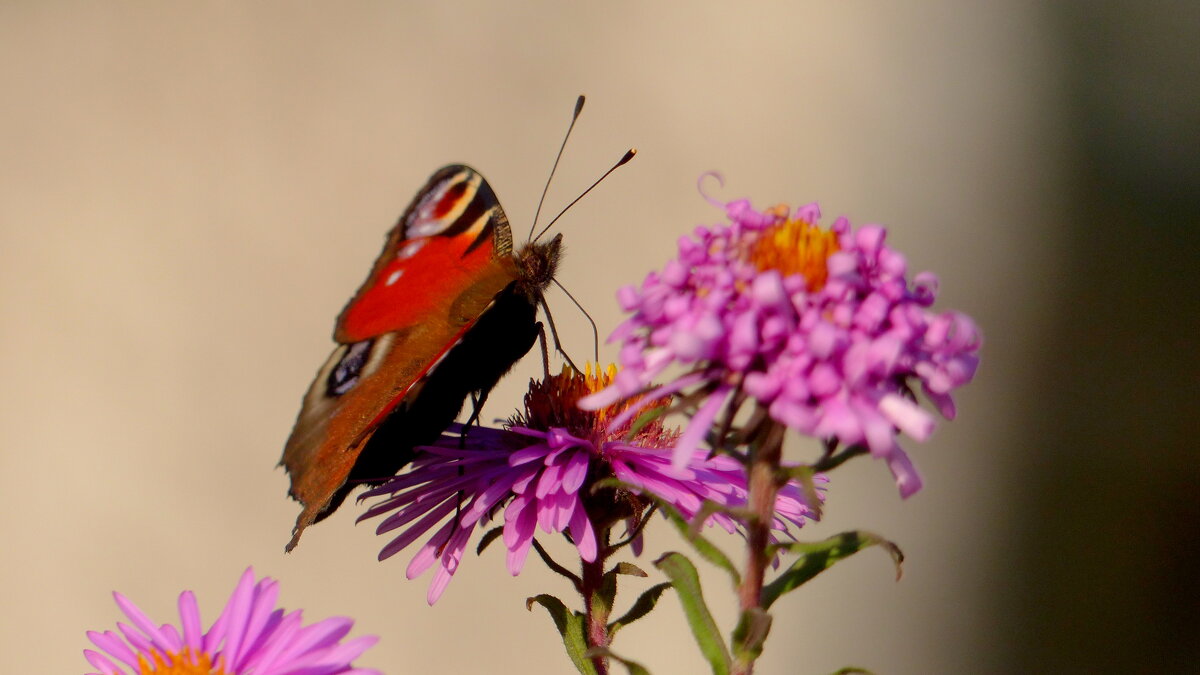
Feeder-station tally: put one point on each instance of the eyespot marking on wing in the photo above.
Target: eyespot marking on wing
(345, 374)
(443, 207)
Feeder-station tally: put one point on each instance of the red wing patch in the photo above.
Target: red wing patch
(439, 248)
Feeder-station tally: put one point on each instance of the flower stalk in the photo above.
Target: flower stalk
(763, 471)
(598, 605)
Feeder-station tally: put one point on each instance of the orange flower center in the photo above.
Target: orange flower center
(554, 403)
(794, 247)
(186, 663)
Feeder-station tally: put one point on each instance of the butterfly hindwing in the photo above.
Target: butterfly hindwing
(443, 264)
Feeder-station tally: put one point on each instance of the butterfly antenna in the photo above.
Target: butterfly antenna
(578, 109)
(595, 331)
(628, 156)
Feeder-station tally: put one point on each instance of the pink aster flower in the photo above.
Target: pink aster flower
(539, 472)
(820, 327)
(250, 637)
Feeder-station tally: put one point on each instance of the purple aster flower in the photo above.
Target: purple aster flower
(539, 472)
(250, 637)
(820, 327)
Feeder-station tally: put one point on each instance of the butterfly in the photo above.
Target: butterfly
(447, 309)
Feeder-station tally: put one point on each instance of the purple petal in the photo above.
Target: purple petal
(907, 478)
(907, 416)
(421, 527)
(111, 643)
(698, 428)
(143, 622)
(584, 535)
(101, 662)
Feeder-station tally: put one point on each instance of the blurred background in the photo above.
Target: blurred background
(189, 194)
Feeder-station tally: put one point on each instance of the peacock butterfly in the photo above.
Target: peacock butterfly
(448, 308)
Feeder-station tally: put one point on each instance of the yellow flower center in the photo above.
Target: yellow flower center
(186, 663)
(794, 247)
(595, 381)
(554, 403)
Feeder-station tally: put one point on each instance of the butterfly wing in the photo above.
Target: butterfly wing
(449, 236)
(442, 266)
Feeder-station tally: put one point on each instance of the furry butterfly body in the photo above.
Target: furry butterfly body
(447, 309)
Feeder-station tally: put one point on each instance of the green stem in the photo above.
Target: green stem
(763, 478)
(597, 609)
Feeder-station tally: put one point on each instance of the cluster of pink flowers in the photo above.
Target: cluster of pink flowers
(820, 327)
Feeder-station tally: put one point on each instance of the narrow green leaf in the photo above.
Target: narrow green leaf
(751, 632)
(835, 460)
(628, 569)
(683, 576)
(630, 537)
(645, 602)
(633, 667)
(570, 627)
(704, 547)
(555, 567)
(487, 538)
(804, 476)
(852, 669)
(816, 557)
(647, 416)
(707, 550)
(708, 508)
(605, 596)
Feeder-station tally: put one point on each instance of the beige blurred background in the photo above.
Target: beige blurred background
(188, 195)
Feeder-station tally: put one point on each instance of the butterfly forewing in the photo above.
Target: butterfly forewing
(445, 241)
(442, 266)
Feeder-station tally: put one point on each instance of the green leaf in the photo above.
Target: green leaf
(709, 508)
(804, 476)
(835, 460)
(750, 634)
(852, 669)
(488, 537)
(628, 569)
(555, 567)
(606, 594)
(647, 416)
(703, 546)
(816, 557)
(645, 602)
(637, 530)
(603, 597)
(633, 667)
(570, 627)
(683, 576)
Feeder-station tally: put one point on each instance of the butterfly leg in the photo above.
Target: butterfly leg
(478, 398)
(541, 332)
(557, 344)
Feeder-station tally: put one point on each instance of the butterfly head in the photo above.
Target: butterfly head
(538, 263)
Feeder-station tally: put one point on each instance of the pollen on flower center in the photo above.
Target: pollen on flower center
(186, 663)
(554, 403)
(794, 247)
